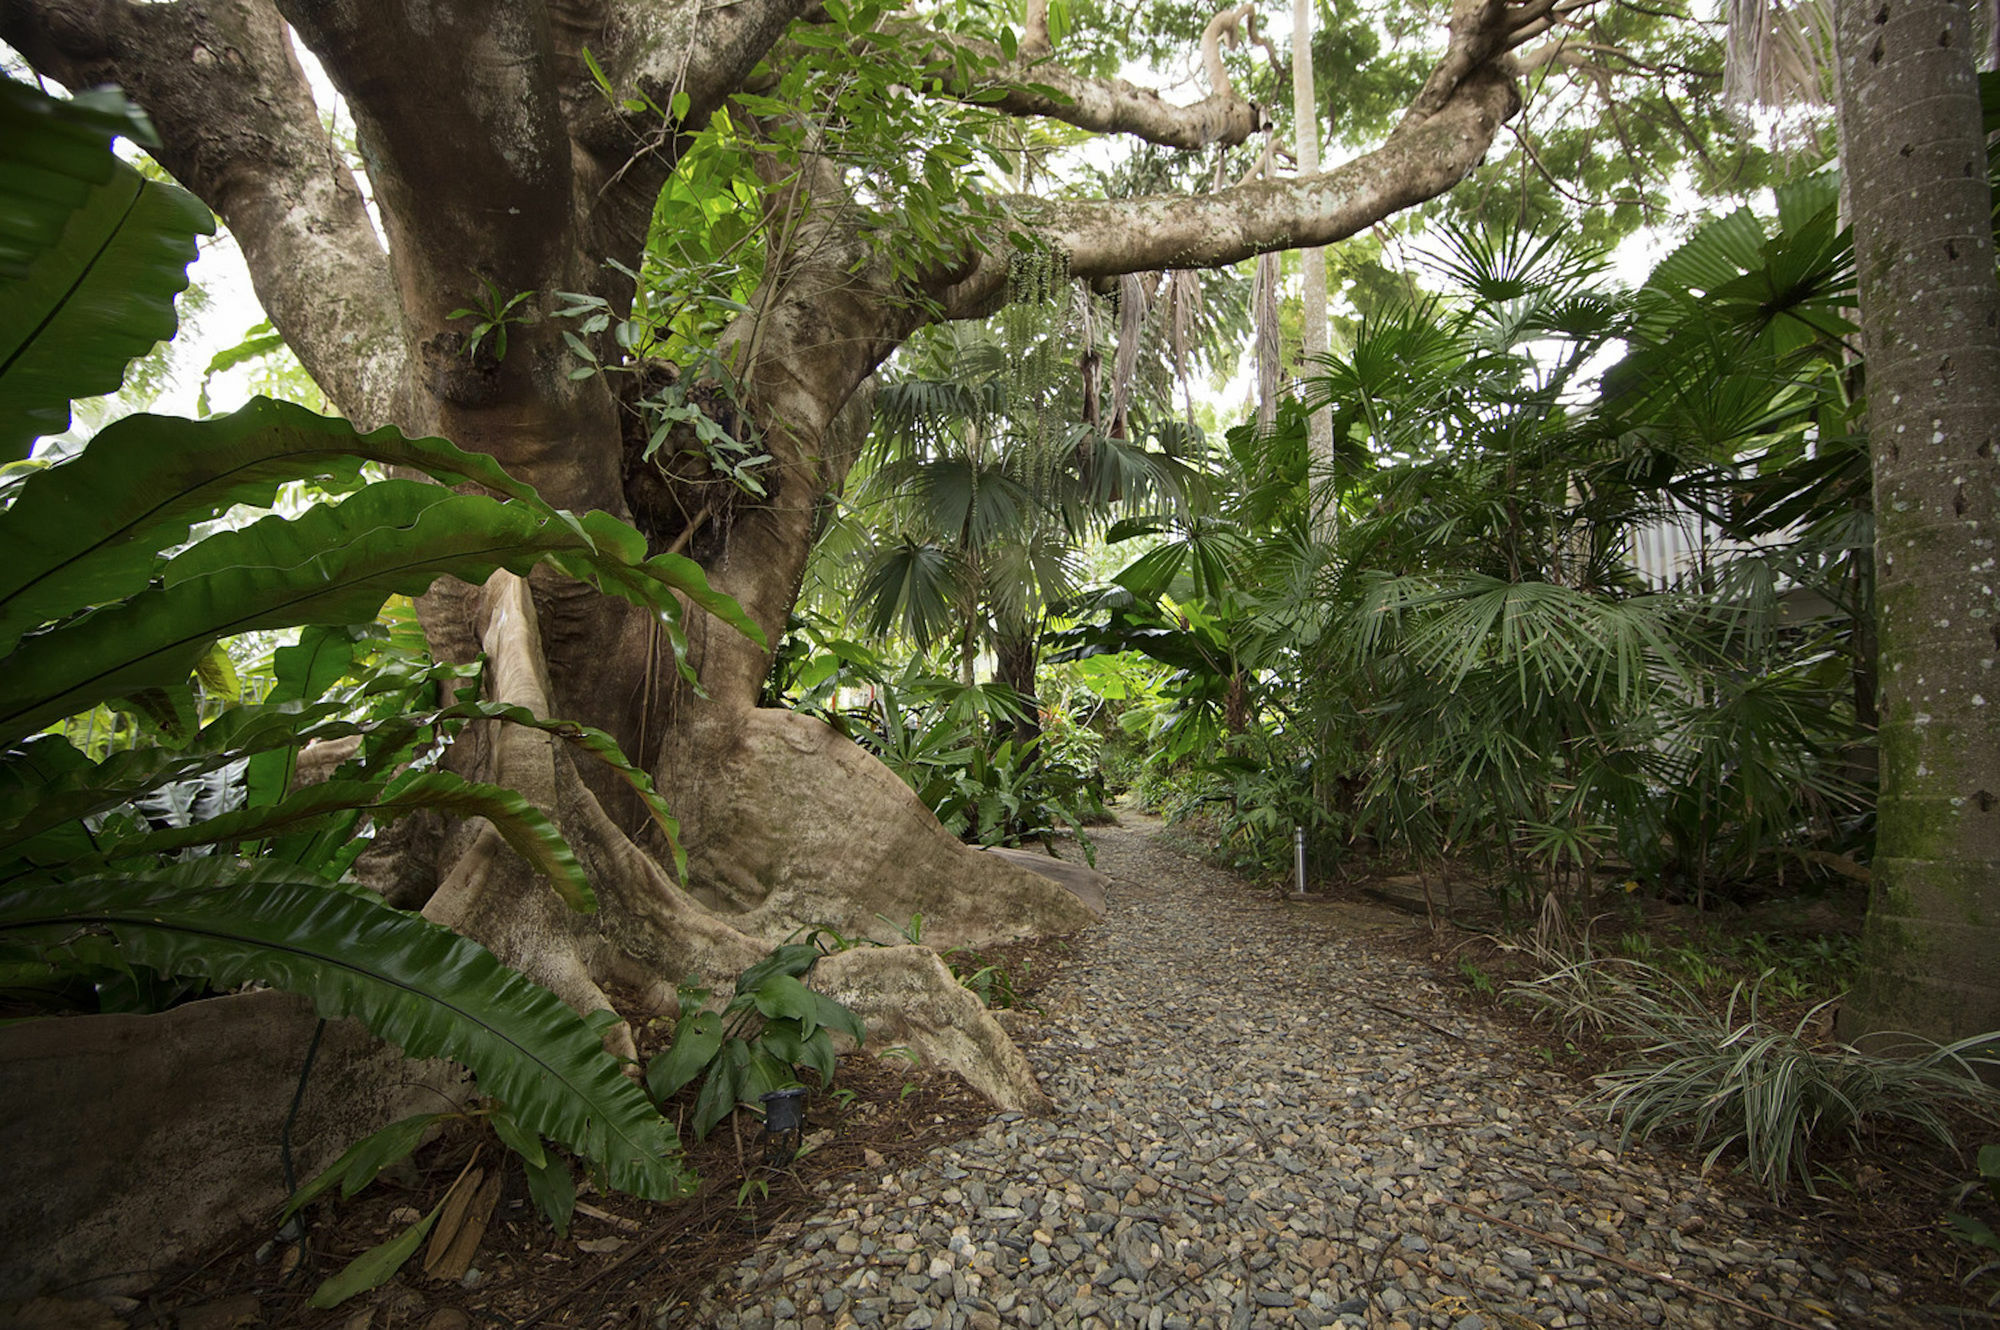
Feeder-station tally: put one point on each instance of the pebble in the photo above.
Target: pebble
(1261, 1122)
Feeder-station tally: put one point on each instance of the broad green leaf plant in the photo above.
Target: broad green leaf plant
(771, 1025)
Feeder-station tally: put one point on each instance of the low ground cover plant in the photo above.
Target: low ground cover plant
(1777, 1098)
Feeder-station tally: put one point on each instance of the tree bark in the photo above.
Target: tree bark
(1930, 311)
(1312, 338)
(1019, 653)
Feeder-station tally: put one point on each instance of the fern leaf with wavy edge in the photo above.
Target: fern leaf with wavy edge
(46, 783)
(415, 984)
(95, 301)
(589, 739)
(525, 827)
(331, 565)
(51, 152)
(89, 531)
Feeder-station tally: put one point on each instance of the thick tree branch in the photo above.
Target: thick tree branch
(651, 50)
(240, 129)
(1224, 27)
(1481, 31)
(1210, 230)
(824, 322)
(1035, 41)
(471, 172)
(472, 175)
(1103, 106)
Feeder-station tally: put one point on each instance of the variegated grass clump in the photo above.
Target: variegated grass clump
(1729, 1078)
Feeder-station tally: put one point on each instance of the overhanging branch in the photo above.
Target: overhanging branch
(1117, 236)
(1026, 86)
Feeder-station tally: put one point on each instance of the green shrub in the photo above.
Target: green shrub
(1731, 1080)
(771, 1025)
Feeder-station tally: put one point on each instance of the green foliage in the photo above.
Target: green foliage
(147, 480)
(549, 1181)
(771, 1025)
(55, 152)
(92, 255)
(362, 1162)
(1440, 644)
(492, 314)
(988, 470)
(1729, 1080)
(1005, 794)
(261, 345)
(1217, 711)
(951, 743)
(985, 790)
(853, 91)
(188, 854)
(690, 406)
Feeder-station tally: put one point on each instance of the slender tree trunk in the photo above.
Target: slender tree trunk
(1312, 340)
(1019, 657)
(1930, 307)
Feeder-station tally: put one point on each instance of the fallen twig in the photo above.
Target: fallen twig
(1659, 1275)
(605, 1216)
(1427, 1024)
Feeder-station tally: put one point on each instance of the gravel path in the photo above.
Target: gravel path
(1265, 1121)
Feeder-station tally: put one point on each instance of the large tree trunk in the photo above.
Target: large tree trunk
(498, 166)
(1930, 310)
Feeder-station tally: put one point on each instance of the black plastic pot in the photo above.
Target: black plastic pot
(784, 1124)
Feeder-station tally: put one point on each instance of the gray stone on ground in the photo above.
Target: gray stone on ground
(1266, 1118)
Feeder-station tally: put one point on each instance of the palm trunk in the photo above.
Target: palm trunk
(1312, 339)
(1019, 654)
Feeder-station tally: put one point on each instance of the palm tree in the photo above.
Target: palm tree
(990, 468)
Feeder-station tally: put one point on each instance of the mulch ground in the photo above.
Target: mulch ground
(625, 1262)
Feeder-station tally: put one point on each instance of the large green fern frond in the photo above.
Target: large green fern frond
(89, 531)
(103, 292)
(419, 986)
